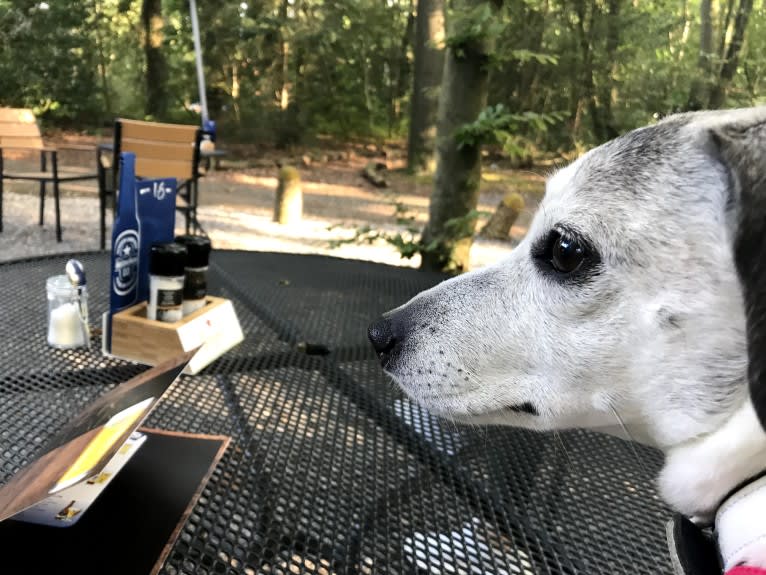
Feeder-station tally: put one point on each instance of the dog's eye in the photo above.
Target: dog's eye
(566, 254)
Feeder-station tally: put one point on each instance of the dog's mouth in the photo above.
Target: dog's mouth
(459, 405)
(384, 357)
(525, 407)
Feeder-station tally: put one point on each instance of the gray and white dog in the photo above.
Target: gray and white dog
(623, 302)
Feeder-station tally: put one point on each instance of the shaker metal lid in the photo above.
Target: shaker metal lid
(167, 259)
(199, 250)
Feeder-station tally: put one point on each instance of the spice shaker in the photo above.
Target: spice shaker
(195, 282)
(166, 282)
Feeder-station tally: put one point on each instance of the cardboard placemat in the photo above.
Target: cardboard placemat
(132, 526)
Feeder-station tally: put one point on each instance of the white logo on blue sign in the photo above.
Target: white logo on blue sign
(125, 262)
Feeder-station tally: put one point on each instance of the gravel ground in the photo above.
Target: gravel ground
(22, 237)
(229, 227)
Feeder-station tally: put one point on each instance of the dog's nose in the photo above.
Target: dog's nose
(381, 336)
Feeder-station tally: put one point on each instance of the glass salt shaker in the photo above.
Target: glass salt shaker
(67, 328)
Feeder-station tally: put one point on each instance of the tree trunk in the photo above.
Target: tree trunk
(284, 57)
(678, 47)
(724, 29)
(284, 90)
(718, 92)
(102, 59)
(399, 70)
(235, 91)
(529, 73)
(608, 90)
(288, 132)
(429, 64)
(700, 90)
(598, 96)
(156, 67)
(449, 233)
(587, 96)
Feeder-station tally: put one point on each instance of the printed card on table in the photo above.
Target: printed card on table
(81, 459)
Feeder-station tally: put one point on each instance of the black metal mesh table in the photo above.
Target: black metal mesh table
(331, 469)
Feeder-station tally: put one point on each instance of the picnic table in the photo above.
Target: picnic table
(330, 468)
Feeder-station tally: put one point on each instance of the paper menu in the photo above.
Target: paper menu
(89, 441)
(108, 435)
(66, 506)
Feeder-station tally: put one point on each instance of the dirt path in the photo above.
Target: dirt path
(236, 205)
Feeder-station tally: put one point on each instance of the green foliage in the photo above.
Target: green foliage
(45, 63)
(497, 125)
(471, 26)
(524, 56)
(348, 70)
(409, 242)
(648, 75)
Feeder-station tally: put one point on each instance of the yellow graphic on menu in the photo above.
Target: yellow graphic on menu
(101, 477)
(68, 513)
(115, 428)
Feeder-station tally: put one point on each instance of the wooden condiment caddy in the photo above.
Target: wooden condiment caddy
(214, 329)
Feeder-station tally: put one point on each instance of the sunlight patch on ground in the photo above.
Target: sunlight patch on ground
(248, 227)
(234, 229)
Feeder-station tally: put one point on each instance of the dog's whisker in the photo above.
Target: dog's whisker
(450, 421)
(631, 441)
(558, 438)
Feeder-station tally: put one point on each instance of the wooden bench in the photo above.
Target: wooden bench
(162, 151)
(20, 133)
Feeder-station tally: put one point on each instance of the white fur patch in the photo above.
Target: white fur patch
(700, 472)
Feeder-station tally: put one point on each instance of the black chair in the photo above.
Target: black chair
(19, 132)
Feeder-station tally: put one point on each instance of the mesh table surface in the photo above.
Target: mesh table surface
(331, 469)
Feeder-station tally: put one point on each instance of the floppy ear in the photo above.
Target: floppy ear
(741, 145)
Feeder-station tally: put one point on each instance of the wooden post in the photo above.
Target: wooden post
(288, 208)
(499, 225)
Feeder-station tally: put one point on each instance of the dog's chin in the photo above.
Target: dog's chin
(464, 407)
(505, 417)
(513, 416)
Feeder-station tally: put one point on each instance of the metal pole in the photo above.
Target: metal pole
(198, 58)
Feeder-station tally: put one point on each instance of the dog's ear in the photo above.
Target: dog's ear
(741, 146)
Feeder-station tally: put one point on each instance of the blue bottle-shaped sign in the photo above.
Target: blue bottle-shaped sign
(126, 241)
(145, 215)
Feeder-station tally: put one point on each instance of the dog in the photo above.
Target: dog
(629, 305)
